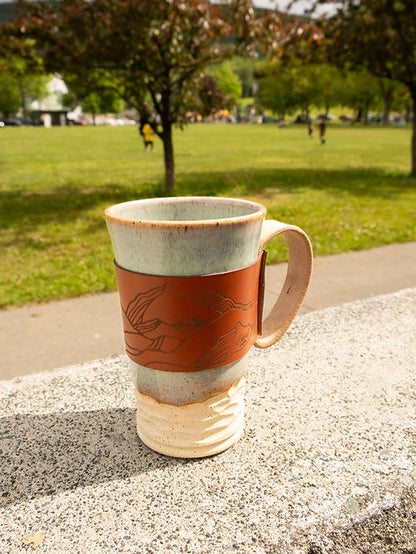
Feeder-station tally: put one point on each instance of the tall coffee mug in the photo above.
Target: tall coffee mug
(190, 274)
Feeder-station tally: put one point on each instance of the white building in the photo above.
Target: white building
(50, 110)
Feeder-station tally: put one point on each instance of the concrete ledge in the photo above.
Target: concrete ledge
(328, 451)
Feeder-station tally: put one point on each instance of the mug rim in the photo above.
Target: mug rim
(259, 212)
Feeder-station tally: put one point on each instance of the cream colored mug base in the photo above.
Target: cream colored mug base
(192, 430)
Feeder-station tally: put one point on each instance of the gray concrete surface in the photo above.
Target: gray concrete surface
(326, 463)
(46, 336)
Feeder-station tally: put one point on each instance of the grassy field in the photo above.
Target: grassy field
(352, 193)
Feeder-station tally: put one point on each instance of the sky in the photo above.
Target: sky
(300, 4)
(299, 7)
(281, 4)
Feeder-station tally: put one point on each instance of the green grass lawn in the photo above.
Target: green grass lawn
(352, 193)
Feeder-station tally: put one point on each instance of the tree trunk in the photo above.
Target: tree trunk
(169, 159)
(408, 110)
(413, 92)
(387, 100)
(366, 111)
(23, 104)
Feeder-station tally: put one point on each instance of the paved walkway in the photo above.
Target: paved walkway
(46, 336)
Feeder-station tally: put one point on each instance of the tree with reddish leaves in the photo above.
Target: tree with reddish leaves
(210, 98)
(380, 36)
(156, 49)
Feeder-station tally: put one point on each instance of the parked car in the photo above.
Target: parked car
(10, 122)
(327, 116)
(301, 118)
(75, 122)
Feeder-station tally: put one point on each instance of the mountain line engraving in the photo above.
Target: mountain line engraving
(169, 330)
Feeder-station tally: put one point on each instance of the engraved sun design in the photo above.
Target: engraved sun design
(165, 328)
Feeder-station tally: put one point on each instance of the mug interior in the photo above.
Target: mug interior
(184, 210)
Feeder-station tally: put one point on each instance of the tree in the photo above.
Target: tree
(388, 90)
(96, 95)
(284, 88)
(9, 96)
(210, 98)
(379, 35)
(22, 72)
(402, 102)
(95, 103)
(29, 86)
(229, 83)
(306, 87)
(244, 68)
(19, 87)
(276, 88)
(361, 92)
(329, 84)
(157, 48)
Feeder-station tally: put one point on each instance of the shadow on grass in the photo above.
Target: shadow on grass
(20, 209)
(27, 210)
(354, 182)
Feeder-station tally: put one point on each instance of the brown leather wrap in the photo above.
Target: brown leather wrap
(191, 323)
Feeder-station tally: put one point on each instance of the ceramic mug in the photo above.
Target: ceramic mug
(190, 274)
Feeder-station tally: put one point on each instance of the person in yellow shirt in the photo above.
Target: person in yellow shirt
(148, 135)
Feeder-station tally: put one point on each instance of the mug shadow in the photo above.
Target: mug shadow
(48, 454)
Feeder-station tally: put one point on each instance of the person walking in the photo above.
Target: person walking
(148, 136)
(322, 129)
(310, 128)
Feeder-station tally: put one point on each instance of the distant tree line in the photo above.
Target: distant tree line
(284, 89)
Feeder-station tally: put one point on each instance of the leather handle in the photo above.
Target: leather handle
(296, 283)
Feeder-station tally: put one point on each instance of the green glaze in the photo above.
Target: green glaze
(181, 237)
